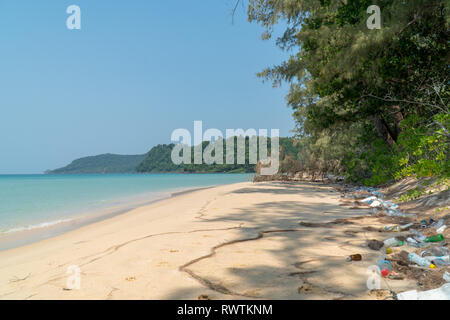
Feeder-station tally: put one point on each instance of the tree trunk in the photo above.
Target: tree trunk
(383, 130)
(398, 117)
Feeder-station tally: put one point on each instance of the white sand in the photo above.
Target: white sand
(164, 250)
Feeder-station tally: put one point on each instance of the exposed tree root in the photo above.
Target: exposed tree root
(219, 288)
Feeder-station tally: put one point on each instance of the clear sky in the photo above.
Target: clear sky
(137, 70)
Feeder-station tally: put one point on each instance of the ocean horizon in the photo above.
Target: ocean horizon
(38, 203)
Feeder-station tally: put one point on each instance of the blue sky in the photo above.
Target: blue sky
(136, 71)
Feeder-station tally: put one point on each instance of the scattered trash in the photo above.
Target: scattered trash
(442, 293)
(435, 251)
(437, 224)
(417, 235)
(441, 261)
(406, 226)
(369, 200)
(375, 244)
(376, 201)
(424, 224)
(395, 213)
(375, 204)
(446, 276)
(385, 267)
(394, 276)
(436, 238)
(423, 262)
(385, 272)
(427, 236)
(416, 243)
(354, 257)
(398, 228)
(393, 242)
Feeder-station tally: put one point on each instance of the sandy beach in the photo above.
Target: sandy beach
(271, 240)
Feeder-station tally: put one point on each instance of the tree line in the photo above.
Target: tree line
(371, 105)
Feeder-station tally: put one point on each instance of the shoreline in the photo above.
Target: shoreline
(35, 233)
(270, 240)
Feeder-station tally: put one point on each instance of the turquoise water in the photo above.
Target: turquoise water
(37, 201)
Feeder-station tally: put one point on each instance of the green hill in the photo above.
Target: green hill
(158, 159)
(104, 163)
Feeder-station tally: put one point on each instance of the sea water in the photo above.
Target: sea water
(33, 202)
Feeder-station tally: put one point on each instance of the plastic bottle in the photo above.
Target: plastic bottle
(392, 242)
(436, 251)
(354, 257)
(441, 261)
(438, 224)
(412, 242)
(436, 238)
(415, 232)
(417, 244)
(439, 251)
(384, 265)
(392, 228)
(431, 258)
(406, 226)
(419, 260)
(441, 229)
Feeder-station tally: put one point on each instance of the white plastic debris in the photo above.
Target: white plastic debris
(441, 261)
(423, 262)
(395, 213)
(369, 200)
(446, 276)
(437, 224)
(442, 293)
(375, 204)
(406, 226)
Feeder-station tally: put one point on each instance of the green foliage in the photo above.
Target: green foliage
(105, 163)
(421, 152)
(158, 159)
(412, 194)
(373, 103)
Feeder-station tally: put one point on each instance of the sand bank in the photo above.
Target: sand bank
(268, 240)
